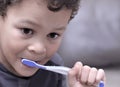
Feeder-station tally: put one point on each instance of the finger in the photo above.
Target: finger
(74, 73)
(85, 74)
(80, 65)
(100, 76)
(92, 76)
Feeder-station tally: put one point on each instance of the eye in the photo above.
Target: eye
(27, 31)
(53, 35)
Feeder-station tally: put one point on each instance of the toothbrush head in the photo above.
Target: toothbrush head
(32, 64)
(28, 62)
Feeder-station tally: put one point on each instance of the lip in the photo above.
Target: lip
(37, 61)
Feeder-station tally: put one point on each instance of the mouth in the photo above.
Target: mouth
(27, 65)
(37, 61)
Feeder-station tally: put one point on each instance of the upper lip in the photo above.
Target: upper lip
(33, 59)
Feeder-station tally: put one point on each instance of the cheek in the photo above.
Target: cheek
(11, 44)
(52, 49)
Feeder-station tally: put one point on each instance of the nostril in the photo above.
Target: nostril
(38, 49)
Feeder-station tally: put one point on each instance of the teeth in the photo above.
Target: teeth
(37, 61)
(32, 60)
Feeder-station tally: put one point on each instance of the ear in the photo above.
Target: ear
(1, 17)
(1, 22)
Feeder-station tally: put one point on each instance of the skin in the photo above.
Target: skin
(85, 76)
(32, 31)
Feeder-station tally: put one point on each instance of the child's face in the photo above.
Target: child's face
(30, 31)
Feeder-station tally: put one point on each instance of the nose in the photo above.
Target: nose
(37, 48)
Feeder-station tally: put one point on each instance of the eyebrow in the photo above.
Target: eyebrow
(35, 24)
(28, 22)
(61, 28)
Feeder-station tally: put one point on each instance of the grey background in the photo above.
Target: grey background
(93, 37)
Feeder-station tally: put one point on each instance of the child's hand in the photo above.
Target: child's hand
(85, 76)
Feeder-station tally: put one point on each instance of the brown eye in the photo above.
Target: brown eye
(27, 31)
(53, 35)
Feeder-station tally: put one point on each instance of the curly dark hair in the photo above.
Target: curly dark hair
(53, 5)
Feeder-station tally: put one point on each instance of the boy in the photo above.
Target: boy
(33, 29)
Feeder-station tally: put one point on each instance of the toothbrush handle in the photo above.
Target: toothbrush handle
(58, 69)
(101, 84)
(64, 71)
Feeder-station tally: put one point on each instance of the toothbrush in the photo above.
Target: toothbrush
(58, 69)
(101, 84)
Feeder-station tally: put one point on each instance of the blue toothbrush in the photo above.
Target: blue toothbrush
(101, 84)
(58, 69)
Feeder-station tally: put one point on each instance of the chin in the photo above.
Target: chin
(26, 73)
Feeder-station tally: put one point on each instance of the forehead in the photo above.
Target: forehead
(37, 11)
(39, 5)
